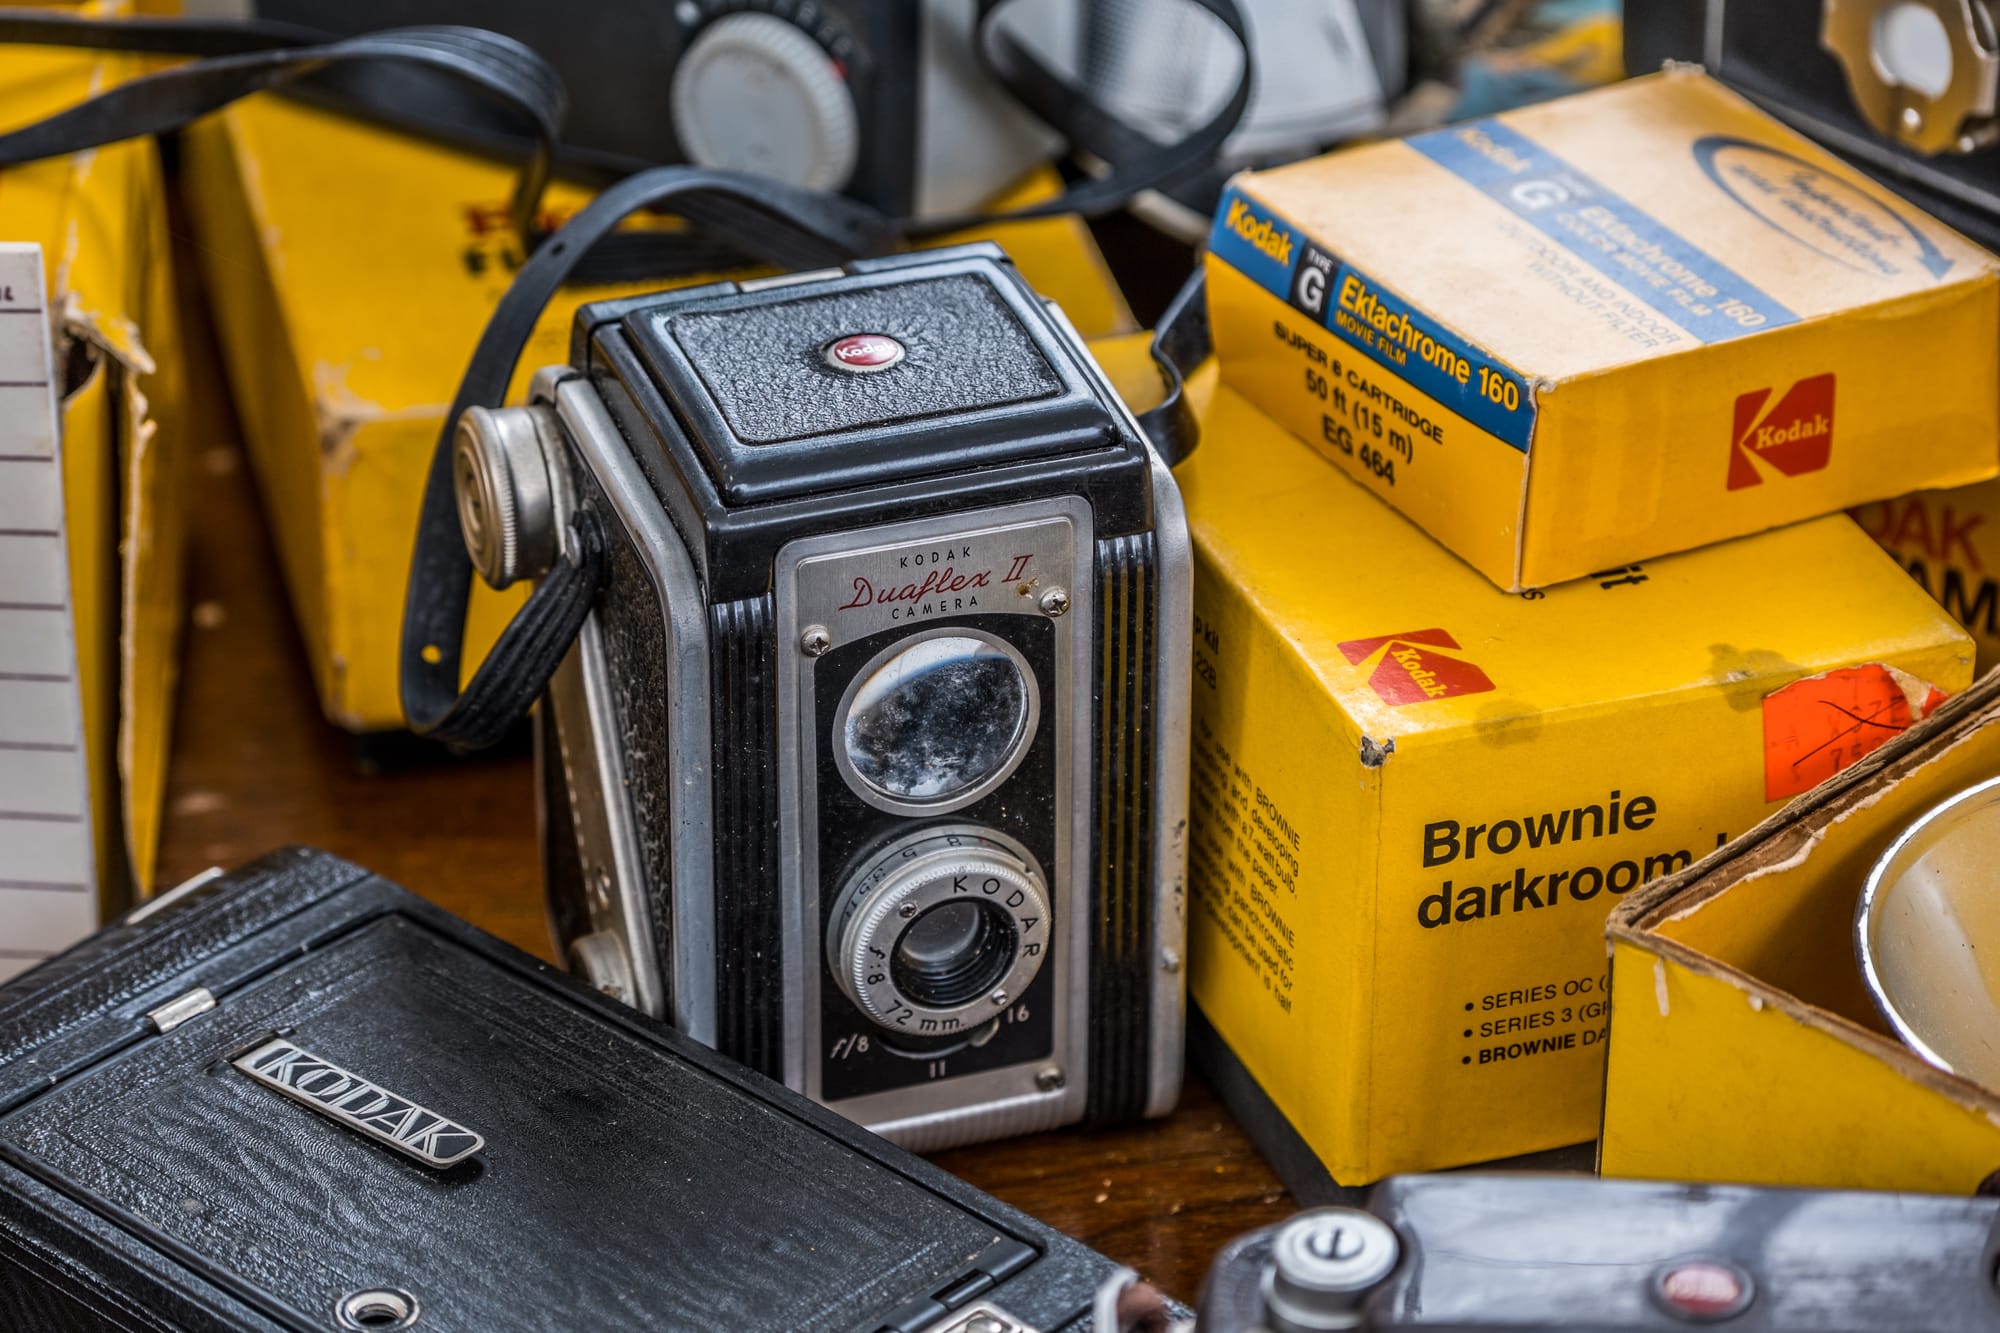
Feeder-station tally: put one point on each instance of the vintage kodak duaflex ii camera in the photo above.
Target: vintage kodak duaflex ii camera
(869, 766)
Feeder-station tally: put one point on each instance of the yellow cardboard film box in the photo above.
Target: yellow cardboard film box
(93, 519)
(1415, 798)
(1744, 1046)
(1950, 543)
(1629, 322)
(351, 270)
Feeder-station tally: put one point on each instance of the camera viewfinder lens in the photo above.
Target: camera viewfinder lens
(941, 717)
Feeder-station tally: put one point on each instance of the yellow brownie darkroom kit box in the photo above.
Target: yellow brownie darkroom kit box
(351, 270)
(1633, 321)
(1744, 1044)
(1415, 798)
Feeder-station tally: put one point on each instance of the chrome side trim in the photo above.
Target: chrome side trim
(1175, 629)
(160, 902)
(691, 1006)
(607, 843)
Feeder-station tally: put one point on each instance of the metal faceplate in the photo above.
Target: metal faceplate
(1033, 561)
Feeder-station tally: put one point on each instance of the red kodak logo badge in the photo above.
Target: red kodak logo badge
(1794, 437)
(1409, 673)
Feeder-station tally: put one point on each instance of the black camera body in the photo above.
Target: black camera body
(869, 767)
(296, 1097)
(1908, 92)
(1462, 1252)
(882, 100)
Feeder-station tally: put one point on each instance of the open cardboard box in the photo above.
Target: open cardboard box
(1744, 1046)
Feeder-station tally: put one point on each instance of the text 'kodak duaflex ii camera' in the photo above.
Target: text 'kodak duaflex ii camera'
(869, 765)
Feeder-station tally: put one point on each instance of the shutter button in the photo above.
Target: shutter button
(1702, 1291)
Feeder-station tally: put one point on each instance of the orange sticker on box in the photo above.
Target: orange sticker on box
(1814, 728)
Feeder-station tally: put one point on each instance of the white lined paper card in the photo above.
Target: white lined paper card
(48, 888)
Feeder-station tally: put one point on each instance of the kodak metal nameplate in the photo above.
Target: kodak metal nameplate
(353, 1101)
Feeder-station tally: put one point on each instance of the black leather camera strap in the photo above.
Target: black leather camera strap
(816, 229)
(258, 57)
(1135, 161)
(824, 228)
(240, 57)
(778, 224)
(1181, 342)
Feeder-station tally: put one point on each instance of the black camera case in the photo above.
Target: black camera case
(1771, 52)
(628, 1178)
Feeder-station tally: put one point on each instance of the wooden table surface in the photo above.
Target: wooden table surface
(255, 766)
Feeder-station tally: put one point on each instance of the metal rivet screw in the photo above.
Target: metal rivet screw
(906, 911)
(1336, 1243)
(1169, 961)
(1913, 119)
(1055, 602)
(383, 1308)
(998, 997)
(814, 641)
(1050, 1079)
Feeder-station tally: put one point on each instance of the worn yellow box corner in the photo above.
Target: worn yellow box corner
(1744, 1046)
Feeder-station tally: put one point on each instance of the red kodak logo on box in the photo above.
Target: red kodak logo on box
(1794, 437)
(1409, 673)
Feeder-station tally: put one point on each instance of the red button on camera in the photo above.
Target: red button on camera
(863, 353)
(1703, 1292)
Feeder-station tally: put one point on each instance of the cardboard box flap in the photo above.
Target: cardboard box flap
(1744, 1045)
(1794, 831)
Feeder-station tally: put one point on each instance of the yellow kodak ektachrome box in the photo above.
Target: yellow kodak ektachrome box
(1744, 1046)
(352, 270)
(1629, 322)
(1950, 543)
(100, 218)
(1415, 797)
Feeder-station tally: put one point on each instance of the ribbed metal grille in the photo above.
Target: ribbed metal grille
(1122, 926)
(749, 977)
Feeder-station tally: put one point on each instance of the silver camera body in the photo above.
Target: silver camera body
(869, 766)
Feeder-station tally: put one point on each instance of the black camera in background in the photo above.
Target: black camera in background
(1770, 52)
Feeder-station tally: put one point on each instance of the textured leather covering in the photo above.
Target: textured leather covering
(965, 350)
(97, 992)
(629, 1179)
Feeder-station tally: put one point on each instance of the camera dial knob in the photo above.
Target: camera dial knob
(506, 502)
(755, 93)
(1323, 1264)
(941, 931)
